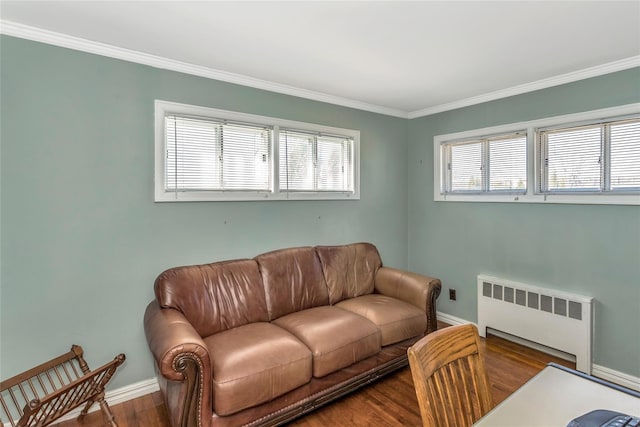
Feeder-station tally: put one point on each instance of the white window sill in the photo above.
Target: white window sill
(206, 196)
(580, 199)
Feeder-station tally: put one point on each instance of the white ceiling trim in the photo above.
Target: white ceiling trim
(586, 73)
(63, 40)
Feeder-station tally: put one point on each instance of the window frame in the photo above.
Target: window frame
(534, 161)
(316, 138)
(604, 153)
(166, 108)
(485, 160)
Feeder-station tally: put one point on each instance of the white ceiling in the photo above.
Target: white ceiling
(400, 58)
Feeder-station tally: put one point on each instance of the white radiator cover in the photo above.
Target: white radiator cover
(555, 319)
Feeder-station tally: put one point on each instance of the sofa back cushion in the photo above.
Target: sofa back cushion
(349, 270)
(293, 280)
(214, 297)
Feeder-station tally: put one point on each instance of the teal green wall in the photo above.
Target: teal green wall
(592, 250)
(82, 239)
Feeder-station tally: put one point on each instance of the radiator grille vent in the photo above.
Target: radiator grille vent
(553, 318)
(534, 300)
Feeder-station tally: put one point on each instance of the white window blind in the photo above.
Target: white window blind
(466, 167)
(625, 156)
(574, 159)
(296, 161)
(488, 165)
(315, 162)
(193, 154)
(508, 164)
(595, 158)
(206, 154)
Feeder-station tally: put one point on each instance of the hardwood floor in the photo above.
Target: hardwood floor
(391, 402)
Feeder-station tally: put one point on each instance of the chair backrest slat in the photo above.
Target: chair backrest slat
(15, 398)
(450, 378)
(42, 384)
(8, 415)
(32, 388)
(51, 382)
(66, 371)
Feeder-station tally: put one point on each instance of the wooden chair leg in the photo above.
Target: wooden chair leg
(85, 410)
(109, 419)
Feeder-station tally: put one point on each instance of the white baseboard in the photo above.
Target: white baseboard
(616, 377)
(602, 372)
(452, 320)
(132, 391)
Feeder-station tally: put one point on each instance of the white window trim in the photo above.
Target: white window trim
(162, 108)
(533, 178)
(446, 173)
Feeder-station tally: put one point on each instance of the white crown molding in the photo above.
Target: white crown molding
(586, 73)
(63, 40)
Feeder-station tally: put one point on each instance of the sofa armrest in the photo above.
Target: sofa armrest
(421, 291)
(183, 363)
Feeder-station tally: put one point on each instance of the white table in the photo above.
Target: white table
(556, 396)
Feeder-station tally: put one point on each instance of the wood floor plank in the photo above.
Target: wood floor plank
(390, 402)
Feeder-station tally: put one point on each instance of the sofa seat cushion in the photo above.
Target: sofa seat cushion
(337, 338)
(397, 320)
(255, 363)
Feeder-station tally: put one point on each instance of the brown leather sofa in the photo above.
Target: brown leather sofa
(262, 341)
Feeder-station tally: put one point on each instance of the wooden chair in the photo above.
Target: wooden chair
(449, 377)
